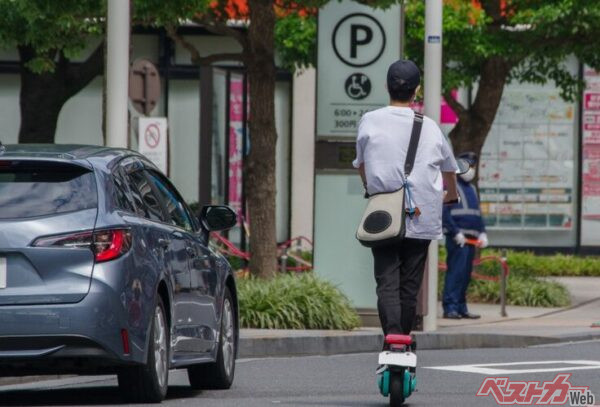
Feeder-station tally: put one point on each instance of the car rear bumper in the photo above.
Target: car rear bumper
(30, 355)
(82, 337)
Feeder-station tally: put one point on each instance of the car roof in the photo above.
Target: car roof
(64, 151)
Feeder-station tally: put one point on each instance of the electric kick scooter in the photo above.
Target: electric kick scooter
(396, 376)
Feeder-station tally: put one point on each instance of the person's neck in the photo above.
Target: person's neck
(397, 103)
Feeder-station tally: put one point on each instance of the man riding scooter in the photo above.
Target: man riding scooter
(464, 229)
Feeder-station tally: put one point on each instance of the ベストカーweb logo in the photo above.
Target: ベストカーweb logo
(557, 392)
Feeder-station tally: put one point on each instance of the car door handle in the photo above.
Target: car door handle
(164, 242)
(192, 253)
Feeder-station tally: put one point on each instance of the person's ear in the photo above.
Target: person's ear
(416, 92)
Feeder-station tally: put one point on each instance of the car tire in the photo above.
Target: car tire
(148, 383)
(219, 375)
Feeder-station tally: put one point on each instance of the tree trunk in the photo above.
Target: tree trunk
(474, 123)
(43, 95)
(41, 98)
(260, 166)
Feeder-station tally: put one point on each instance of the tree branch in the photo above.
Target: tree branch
(194, 53)
(80, 76)
(454, 104)
(231, 56)
(220, 28)
(197, 59)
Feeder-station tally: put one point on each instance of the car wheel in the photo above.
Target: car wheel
(219, 375)
(149, 383)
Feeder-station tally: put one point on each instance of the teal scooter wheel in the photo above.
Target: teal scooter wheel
(410, 384)
(383, 382)
(397, 379)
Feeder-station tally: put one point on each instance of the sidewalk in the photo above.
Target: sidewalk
(549, 324)
(524, 326)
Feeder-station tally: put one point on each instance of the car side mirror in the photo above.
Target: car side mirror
(217, 217)
(463, 166)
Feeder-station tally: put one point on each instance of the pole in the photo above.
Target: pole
(117, 73)
(432, 102)
(503, 286)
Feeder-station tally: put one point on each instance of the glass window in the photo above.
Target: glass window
(120, 195)
(29, 189)
(148, 200)
(173, 202)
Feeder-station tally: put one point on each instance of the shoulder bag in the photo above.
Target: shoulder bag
(384, 220)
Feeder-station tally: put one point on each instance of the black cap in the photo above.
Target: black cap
(470, 157)
(403, 75)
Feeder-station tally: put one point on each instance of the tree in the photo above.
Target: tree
(48, 34)
(489, 43)
(257, 41)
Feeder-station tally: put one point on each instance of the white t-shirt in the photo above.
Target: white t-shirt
(382, 144)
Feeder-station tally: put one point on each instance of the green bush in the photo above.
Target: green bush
(529, 292)
(530, 264)
(294, 301)
(521, 290)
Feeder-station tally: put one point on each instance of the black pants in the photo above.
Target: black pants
(399, 273)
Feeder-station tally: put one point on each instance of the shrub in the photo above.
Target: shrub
(529, 292)
(530, 264)
(294, 301)
(521, 290)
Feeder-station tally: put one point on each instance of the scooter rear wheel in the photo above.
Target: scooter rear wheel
(397, 388)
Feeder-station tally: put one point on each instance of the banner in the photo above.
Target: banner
(590, 204)
(236, 135)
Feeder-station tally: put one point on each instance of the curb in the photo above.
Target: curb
(266, 343)
(309, 344)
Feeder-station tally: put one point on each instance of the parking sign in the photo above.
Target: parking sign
(356, 46)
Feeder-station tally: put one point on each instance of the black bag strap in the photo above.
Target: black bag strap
(414, 143)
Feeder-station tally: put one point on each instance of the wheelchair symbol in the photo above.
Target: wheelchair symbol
(358, 86)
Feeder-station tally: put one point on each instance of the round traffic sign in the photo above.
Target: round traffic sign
(358, 40)
(152, 135)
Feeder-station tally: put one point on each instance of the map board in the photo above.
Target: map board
(528, 161)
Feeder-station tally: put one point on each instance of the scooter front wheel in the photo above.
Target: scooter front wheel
(397, 388)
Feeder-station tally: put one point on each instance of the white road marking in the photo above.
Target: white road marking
(493, 369)
(2, 272)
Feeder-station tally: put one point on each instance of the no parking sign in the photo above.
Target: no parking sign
(152, 140)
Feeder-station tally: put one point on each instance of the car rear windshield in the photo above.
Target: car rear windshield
(30, 189)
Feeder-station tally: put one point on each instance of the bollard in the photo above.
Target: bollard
(503, 286)
(283, 267)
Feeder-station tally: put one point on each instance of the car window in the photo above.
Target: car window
(38, 188)
(120, 194)
(173, 202)
(148, 200)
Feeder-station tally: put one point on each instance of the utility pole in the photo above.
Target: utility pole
(117, 73)
(432, 102)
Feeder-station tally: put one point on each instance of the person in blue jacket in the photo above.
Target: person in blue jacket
(462, 222)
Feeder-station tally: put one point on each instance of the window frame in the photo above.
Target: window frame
(149, 172)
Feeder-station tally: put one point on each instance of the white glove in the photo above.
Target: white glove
(460, 239)
(483, 241)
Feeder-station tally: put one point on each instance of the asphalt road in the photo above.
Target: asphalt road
(343, 380)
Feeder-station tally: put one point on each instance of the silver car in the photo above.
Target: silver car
(104, 269)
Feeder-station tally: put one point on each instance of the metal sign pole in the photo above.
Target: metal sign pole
(432, 101)
(117, 73)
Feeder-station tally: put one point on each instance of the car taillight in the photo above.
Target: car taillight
(106, 244)
(110, 244)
